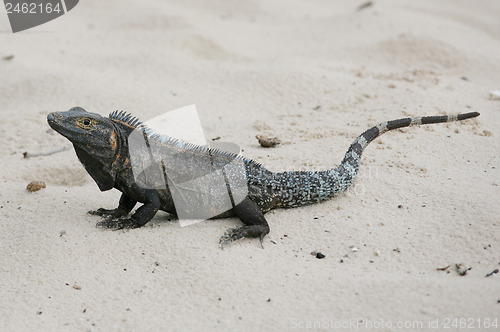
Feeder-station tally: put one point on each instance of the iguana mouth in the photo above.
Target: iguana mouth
(52, 120)
(55, 121)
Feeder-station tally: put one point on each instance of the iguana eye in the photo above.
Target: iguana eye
(87, 124)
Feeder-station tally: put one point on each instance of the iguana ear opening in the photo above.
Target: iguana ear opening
(104, 177)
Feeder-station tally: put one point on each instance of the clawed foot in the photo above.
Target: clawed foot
(105, 213)
(234, 234)
(119, 223)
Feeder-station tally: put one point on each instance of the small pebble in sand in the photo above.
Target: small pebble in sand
(268, 142)
(461, 269)
(35, 186)
(320, 255)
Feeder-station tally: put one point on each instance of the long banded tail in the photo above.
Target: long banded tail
(301, 188)
(368, 136)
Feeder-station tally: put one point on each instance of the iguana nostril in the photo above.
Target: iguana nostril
(50, 117)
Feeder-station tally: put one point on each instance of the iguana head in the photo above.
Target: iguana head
(95, 139)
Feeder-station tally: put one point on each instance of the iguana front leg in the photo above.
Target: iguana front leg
(255, 223)
(124, 207)
(143, 214)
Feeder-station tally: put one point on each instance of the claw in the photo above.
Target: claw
(229, 236)
(105, 213)
(117, 224)
(234, 234)
(101, 212)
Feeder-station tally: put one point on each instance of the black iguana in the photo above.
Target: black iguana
(101, 144)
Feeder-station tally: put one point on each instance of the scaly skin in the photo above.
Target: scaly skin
(102, 146)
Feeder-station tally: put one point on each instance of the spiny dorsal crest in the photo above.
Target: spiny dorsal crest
(133, 122)
(125, 118)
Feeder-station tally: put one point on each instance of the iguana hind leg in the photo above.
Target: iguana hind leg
(255, 223)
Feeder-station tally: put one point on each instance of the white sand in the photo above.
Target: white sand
(259, 67)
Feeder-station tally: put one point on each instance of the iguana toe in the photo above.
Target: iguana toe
(116, 224)
(105, 213)
(237, 233)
